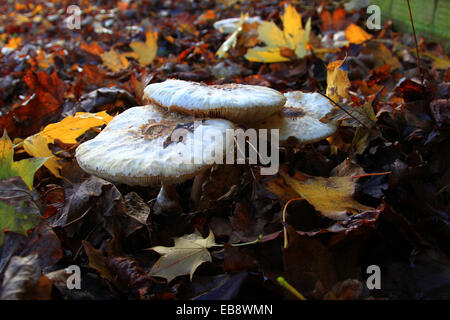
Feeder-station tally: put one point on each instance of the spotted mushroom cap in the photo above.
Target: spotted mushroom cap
(137, 148)
(300, 118)
(236, 102)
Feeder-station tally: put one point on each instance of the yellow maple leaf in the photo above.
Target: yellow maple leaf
(67, 131)
(37, 146)
(9, 168)
(146, 51)
(70, 128)
(332, 197)
(337, 81)
(114, 60)
(356, 34)
(293, 37)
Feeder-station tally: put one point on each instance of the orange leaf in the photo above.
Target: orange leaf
(356, 34)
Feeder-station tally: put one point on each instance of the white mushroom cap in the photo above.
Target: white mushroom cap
(236, 102)
(136, 147)
(300, 118)
(230, 25)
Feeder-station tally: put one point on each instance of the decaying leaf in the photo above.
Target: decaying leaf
(293, 37)
(332, 197)
(353, 116)
(189, 252)
(18, 210)
(98, 262)
(23, 280)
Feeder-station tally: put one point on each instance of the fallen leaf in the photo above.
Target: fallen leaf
(23, 280)
(70, 128)
(114, 60)
(189, 252)
(37, 146)
(356, 34)
(98, 262)
(14, 43)
(337, 81)
(146, 51)
(9, 168)
(18, 210)
(231, 40)
(93, 48)
(353, 116)
(293, 37)
(332, 197)
(441, 63)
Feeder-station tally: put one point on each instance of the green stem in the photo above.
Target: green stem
(291, 289)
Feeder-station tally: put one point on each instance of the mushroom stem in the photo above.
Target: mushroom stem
(167, 200)
(196, 191)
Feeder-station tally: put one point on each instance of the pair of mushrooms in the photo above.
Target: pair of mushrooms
(138, 147)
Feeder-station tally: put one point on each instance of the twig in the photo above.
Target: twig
(419, 65)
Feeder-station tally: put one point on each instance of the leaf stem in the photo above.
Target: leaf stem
(242, 243)
(291, 289)
(372, 174)
(284, 221)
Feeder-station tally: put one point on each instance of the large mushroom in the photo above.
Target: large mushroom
(146, 146)
(236, 102)
(299, 120)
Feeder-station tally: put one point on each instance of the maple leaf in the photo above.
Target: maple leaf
(9, 168)
(67, 131)
(115, 60)
(70, 128)
(189, 252)
(146, 51)
(37, 146)
(332, 197)
(292, 37)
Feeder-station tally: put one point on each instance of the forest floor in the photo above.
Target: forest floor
(387, 171)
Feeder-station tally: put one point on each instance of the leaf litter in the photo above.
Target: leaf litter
(381, 179)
